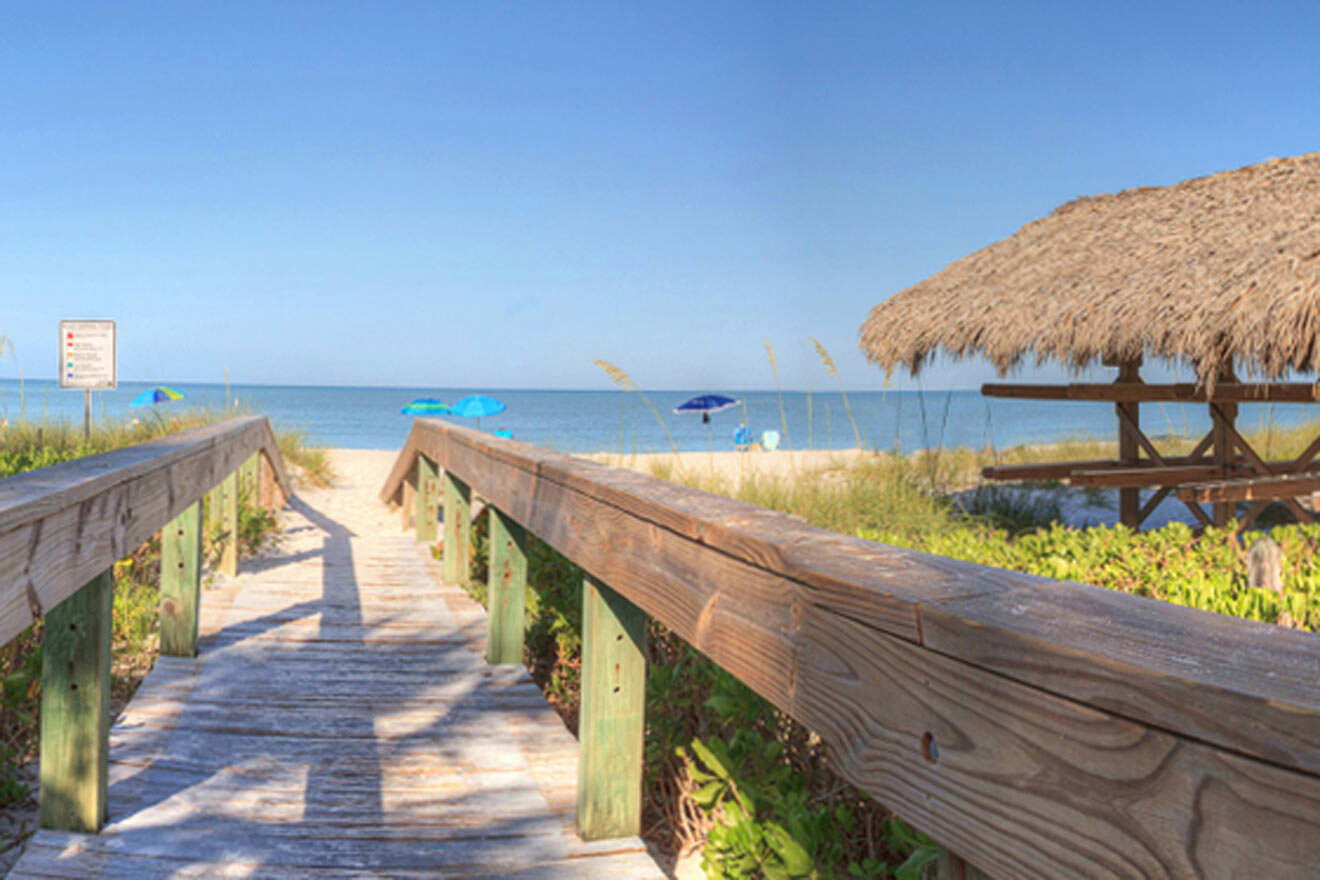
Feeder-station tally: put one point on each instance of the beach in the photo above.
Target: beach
(732, 467)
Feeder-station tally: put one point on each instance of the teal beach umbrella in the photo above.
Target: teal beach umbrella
(477, 405)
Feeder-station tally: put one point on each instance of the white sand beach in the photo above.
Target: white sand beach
(730, 467)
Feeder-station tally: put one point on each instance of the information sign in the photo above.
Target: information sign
(87, 355)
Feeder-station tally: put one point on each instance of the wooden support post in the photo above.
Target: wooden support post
(409, 506)
(611, 714)
(1223, 511)
(266, 484)
(180, 582)
(229, 524)
(951, 867)
(247, 480)
(75, 708)
(458, 524)
(1129, 450)
(507, 589)
(428, 499)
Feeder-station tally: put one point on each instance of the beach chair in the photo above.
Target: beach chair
(742, 439)
(770, 441)
(505, 433)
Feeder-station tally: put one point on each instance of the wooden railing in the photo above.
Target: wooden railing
(62, 528)
(1037, 728)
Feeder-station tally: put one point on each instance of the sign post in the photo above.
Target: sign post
(87, 361)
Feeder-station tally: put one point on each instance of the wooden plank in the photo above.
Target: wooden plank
(247, 481)
(1282, 486)
(611, 715)
(1129, 434)
(1222, 418)
(1057, 470)
(507, 589)
(1241, 392)
(266, 488)
(408, 509)
(62, 525)
(181, 582)
(740, 584)
(740, 614)
(949, 866)
(645, 537)
(229, 524)
(1245, 686)
(75, 708)
(274, 756)
(458, 525)
(1140, 477)
(428, 499)
(1023, 783)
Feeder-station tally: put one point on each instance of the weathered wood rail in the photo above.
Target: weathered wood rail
(62, 528)
(1035, 727)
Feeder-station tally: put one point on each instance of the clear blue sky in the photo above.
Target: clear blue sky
(490, 194)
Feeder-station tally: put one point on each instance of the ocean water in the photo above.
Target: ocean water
(615, 421)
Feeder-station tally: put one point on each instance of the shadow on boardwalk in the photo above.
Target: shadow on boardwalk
(338, 721)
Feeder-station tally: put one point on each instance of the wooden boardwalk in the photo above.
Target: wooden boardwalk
(340, 721)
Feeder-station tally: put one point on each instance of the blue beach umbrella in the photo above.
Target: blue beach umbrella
(155, 395)
(706, 404)
(425, 406)
(476, 406)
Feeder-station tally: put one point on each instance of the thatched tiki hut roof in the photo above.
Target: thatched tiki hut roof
(1214, 272)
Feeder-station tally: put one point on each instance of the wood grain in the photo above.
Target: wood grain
(228, 564)
(506, 589)
(458, 525)
(181, 582)
(62, 525)
(612, 715)
(75, 708)
(1277, 392)
(339, 721)
(1086, 732)
(427, 500)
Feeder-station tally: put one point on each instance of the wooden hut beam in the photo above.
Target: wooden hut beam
(1130, 442)
(1144, 477)
(1224, 421)
(1153, 502)
(1281, 487)
(1132, 429)
(1184, 392)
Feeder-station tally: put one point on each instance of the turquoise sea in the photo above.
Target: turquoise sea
(612, 421)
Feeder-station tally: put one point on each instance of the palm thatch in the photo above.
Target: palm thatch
(1217, 272)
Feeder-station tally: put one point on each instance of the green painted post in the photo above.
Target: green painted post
(950, 866)
(75, 708)
(409, 506)
(428, 499)
(229, 524)
(458, 525)
(180, 582)
(611, 714)
(507, 589)
(247, 480)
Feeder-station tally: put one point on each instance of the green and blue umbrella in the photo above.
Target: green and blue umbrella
(425, 406)
(155, 395)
